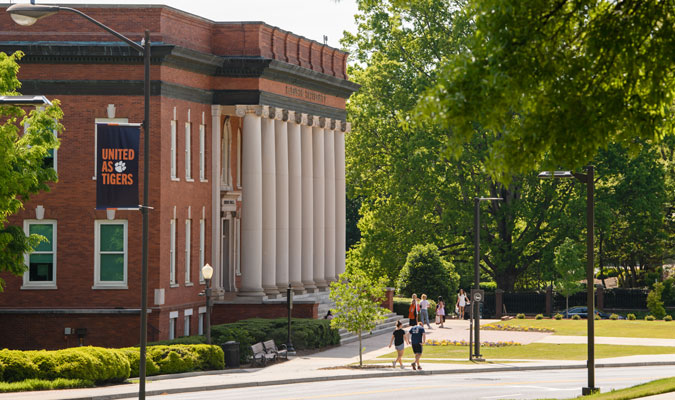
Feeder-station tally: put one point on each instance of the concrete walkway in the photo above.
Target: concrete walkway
(327, 365)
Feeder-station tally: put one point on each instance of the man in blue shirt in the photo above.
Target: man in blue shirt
(417, 338)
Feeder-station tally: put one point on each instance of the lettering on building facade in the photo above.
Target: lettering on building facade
(305, 94)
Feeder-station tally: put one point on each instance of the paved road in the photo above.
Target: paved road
(562, 384)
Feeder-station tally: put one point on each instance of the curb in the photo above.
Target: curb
(368, 375)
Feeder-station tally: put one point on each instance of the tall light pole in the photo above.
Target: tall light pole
(207, 273)
(589, 179)
(476, 293)
(28, 14)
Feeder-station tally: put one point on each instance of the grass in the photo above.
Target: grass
(620, 328)
(538, 351)
(665, 385)
(41, 384)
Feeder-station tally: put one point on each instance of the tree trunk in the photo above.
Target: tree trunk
(360, 351)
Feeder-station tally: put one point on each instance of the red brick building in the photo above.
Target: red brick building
(247, 174)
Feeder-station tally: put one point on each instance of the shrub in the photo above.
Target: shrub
(654, 302)
(539, 316)
(18, 366)
(488, 286)
(575, 316)
(668, 318)
(614, 317)
(631, 317)
(650, 318)
(597, 317)
(558, 316)
(425, 271)
(520, 316)
(42, 384)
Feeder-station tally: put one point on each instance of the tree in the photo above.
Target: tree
(23, 171)
(357, 301)
(570, 269)
(426, 272)
(556, 80)
(654, 302)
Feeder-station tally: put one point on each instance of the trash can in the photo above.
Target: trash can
(231, 351)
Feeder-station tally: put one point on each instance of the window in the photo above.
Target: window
(188, 321)
(173, 319)
(173, 150)
(202, 152)
(188, 236)
(225, 146)
(110, 262)
(188, 151)
(49, 161)
(42, 261)
(202, 232)
(102, 121)
(172, 253)
(200, 325)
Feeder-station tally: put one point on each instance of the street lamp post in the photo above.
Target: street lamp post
(589, 179)
(289, 305)
(28, 14)
(476, 293)
(207, 273)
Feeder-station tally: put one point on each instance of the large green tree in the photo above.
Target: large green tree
(556, 80)
(25, 141)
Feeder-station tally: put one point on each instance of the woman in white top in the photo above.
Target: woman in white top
(424, 311)
(462, 301)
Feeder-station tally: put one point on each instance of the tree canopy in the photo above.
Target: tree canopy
(557, 80)
(23, 171)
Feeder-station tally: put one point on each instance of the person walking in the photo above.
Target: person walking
(417, 339)
(462, 301)
(440, 311)
(424, 311)
(413, 310)
(400, 339)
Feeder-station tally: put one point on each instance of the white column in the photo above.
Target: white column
(269, 209)
(295, 201)
(340, 199)
(319, 203)
(251, 219)
(307, 210)
(218, 273)
(329, 159)
(281, 169)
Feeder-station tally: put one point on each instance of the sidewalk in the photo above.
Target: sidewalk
(322, 366)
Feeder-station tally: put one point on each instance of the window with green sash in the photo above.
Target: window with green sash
(111, 254)
(41, 262)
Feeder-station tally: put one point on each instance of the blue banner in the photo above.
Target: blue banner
(117, 166)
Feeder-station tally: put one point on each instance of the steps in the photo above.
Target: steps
(385, 326)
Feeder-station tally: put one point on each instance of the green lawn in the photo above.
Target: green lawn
(538, 351)
(621, 328)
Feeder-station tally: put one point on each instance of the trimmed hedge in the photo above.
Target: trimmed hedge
(100, 365)
(307, 334)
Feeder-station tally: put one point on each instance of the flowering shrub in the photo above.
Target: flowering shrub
(650, 318)
(614, 317)
(520, 316)
(434, 342)
(539, 316)
(576, 316)
(558, 316)
(668, 318)
(630, 317)
(500, 327)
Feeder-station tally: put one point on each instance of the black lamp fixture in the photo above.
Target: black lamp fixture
(28, 14)
(589, 179)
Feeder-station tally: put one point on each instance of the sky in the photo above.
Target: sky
(309, 18)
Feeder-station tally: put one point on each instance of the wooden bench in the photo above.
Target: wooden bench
(260, 356)
(271, 348)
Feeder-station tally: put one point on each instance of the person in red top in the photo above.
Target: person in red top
(413, 310)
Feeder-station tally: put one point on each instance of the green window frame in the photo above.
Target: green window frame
(41, 263)
(111, 253)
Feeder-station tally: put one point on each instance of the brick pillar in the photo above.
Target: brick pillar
(499, 302)
(600, 299)
(549, 300)
(388, 301)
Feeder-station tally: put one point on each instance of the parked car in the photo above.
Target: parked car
(582, 311)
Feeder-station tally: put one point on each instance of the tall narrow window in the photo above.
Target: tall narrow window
(173, 319)
(188, 243)
(188, 151)
(202, 238)
(173, 150)
(202, 152)
(172, 253)
(200, 325)
(225, 146)
(41, 262)
(188, 322)
(110, 264)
